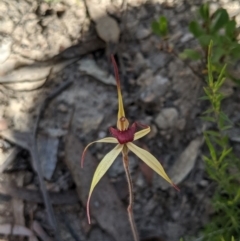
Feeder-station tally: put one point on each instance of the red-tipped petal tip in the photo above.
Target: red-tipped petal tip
(88, 211)
(81, 162)
(115, 70)
(175, 186)
(82, 159)
(89, 220)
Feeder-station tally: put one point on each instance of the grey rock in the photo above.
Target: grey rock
(54, 132)
(167, 118)
(90, 122)
(7, 157)
(227, 89)
(142, 13)
(146, 78)
(174, 230)
(157, 89)
(62, 107)
(158, 59)
(140, 181)
(98, 234)
(204, 183)
(181, 123)
(47, 151)
(234, 134)
(90, 67)
(174, 67)
(153, 132)
(143, 32)
(140, 62)
(182, 166)
(186, 37)
(102, 134)
(150, 206)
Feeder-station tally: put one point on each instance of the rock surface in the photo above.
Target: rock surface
(167, 118)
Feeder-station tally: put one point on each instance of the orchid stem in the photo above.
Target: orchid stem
(130, 187)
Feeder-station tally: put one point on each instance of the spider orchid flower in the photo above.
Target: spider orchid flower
(123, 136)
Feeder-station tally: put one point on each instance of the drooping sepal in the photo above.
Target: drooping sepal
(102, 168)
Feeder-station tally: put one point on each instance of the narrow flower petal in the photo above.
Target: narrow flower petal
(121, 112)
(105, 140)
(150, 160)
(141, 133)
(103, 166)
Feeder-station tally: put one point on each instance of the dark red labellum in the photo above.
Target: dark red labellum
(124, 136)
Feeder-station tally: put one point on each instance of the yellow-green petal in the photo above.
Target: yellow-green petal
(150, 160)
(141, 133)
(103, 166)
(105, 140)
(121, 112)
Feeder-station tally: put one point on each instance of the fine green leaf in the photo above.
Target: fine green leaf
(224, 154)
(204, 98)
(191, 54)
(230, 29)
(208, 111)
(208, 160)
(204, 11)
(226, 127)
(210, 147)
(208, 92)
(208, 118)
(155, 28)
(204, 40)
(210, 75)
(160, 27)
(235, 51)
(221, 78)
(224, 116)
(213, 133)
(196, 29)
(218, 53)
(163, 25)
(220, 18)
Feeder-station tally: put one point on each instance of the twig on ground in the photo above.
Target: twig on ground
(40, 231)
(35, 156)
(8, 191)
(18, 230)
(29, 142)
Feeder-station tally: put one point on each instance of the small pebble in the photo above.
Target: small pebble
(102, 134)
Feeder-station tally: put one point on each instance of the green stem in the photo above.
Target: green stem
(130, 188)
